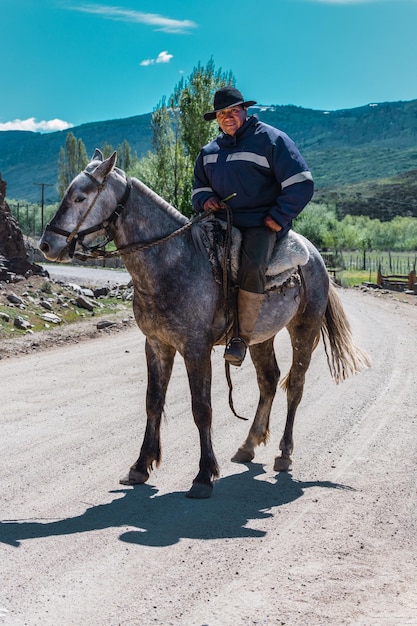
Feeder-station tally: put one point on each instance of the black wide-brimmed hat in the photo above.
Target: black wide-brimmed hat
(225, 98)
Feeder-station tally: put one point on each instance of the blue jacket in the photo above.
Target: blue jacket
(263, 166)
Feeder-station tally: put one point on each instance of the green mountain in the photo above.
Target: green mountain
(27, 158)
(352, 145)
(382, 199)
(342, 147)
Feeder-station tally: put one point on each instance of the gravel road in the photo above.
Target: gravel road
(331, 543)
(80, 273)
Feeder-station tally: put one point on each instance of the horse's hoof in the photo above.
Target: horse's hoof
(134, 478)
(282, 464)
(242, 456)
(199, 491)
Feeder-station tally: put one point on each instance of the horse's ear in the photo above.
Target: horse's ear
(97, 156)
(104, 169)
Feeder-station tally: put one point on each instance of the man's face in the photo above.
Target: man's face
(230, 120)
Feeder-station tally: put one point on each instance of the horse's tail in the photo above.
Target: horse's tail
(344, 358)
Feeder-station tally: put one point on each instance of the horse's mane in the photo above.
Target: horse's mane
(197, 232)
(160, 202)
(145, 191)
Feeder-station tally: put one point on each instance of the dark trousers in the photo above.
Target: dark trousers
(257, 246)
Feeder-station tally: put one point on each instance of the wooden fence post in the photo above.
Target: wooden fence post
(411, 279)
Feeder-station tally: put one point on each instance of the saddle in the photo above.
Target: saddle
(288, 255)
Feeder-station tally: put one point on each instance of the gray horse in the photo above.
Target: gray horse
(179, 306)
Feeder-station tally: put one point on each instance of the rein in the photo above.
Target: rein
(98, 251)
(227, 298)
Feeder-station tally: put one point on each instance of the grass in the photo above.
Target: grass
(63, 303)
(351, 278)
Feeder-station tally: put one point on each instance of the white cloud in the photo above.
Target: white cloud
(34, 126)
(159, 22)
(163, 57)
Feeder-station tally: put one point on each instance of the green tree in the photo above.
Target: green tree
(194, 97)
(318, 223)
(178, 133)
(357, 231)
(107, 150)
(71, 161)
(125, 159)
(170, 163)
(404, 232)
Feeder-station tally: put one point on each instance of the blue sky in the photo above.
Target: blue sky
(69, 62)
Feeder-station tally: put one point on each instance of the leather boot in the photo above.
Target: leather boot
(248, 306)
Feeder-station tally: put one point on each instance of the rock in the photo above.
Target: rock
(104, 324)
(14, 265)
(21, 323)
(85, 303)
(51, 317)
(100, 292)
(128, 295)
(14, 299)
(11, 237)
(88, 293)
(46, 305)
(7, 277)
(74, 287)
(4, 317)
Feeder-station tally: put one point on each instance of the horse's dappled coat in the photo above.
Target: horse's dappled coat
(179, 306)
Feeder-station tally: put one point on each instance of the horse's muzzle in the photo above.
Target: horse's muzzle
(54, 253)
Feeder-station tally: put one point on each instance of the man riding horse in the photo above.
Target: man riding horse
(262, 166)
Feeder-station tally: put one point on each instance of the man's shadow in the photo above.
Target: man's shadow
(164, 520)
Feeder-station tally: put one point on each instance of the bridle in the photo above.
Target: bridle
(98, 251)
(77, 236)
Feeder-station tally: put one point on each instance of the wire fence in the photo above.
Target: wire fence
(387, 262)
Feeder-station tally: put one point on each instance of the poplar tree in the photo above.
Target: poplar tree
(125, 159)
(178, 132)
(71, 161)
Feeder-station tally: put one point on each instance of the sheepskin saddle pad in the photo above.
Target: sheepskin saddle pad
(288, 255)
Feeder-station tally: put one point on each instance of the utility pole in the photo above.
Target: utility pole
(43, 185)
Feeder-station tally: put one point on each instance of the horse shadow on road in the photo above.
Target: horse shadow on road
(151, 520)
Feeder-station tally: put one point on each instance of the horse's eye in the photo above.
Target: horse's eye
(79, 199)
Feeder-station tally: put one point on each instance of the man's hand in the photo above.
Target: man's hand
(272, 224)
(213, 204)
